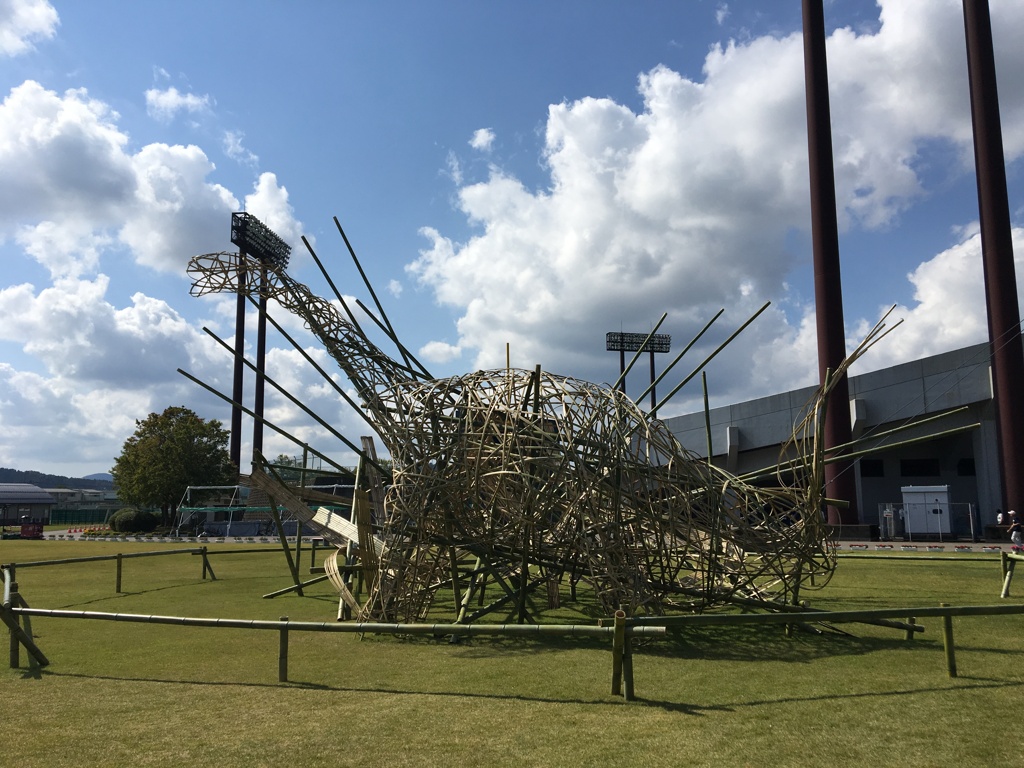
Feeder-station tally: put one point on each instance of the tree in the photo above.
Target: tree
(168, 452)
(288, 468)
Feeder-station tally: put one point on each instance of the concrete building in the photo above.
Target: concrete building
(956, 386)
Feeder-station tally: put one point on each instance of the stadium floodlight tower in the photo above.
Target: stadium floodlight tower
(635, 342)
(256, 239)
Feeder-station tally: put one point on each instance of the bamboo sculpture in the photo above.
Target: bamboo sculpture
(528, 476)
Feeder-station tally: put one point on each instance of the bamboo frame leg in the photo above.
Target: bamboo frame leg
(284, 545)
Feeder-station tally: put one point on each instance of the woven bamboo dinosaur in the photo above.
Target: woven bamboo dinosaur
(533, 475)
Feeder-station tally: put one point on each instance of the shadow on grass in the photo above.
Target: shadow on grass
(681, 707)
(125, 593)
(755, 644)
(981, 684)
(310, 686)
(740, 643)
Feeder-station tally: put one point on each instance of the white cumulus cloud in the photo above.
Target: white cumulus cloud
(25, 22)
(165, 104)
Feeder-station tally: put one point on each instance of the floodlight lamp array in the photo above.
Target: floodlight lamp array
(633, 342)
(258, 240)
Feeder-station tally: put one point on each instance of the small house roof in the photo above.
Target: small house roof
(24, 493)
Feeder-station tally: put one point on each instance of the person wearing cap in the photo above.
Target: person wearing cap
(1016, 531)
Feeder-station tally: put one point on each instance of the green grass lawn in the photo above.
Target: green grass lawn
(141, 694)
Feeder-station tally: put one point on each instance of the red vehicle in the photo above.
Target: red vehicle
(31, 530)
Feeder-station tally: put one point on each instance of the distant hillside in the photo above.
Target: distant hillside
(44, 480)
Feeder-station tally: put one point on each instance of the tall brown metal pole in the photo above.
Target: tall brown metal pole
(997, 251)
(828, 293)
(261, 362)
(235, 441)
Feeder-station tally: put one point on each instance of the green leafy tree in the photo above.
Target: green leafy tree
(288, 468)
(168, 452)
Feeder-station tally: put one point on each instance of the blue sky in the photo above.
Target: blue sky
(510, 173)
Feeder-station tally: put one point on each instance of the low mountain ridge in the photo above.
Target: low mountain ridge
(44, 480)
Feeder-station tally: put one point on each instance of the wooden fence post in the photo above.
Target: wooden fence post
(947, 642)
(117, 580)
(911, 622)
(618, 646)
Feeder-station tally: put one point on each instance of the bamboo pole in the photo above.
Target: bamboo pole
(284, 545)
(830, 617)
(294, 400)
(406, 356)
(1008, 564)
(367, 549)
(708, 359)
(284, 433)
(9, 615)
(678, 357)
(572, 630)
(948, 558)
(639, 351)
(324, 374)
(97, 558)
(294, 587)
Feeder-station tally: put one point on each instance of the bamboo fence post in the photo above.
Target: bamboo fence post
(207, 568)
(1008, 563)
(15, 643)
(618, 646)
(627, 665)
(947, 642)
(282, 656)
(117, 580)
(26, 624)
(19, 635)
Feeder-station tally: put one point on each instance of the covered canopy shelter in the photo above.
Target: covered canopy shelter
(18, 500)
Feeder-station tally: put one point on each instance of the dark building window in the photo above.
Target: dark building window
(872, 468)
(919, 468)
(965, 468)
